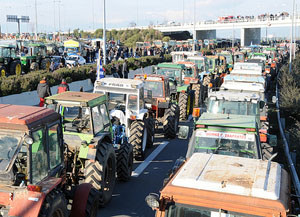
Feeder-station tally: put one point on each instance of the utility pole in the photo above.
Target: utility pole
(182, 12)
(292, 34)
(36, 30)
(54, 16)
(104, 34)
(59, 20)
(194, 35)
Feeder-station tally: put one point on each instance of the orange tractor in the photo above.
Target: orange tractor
(33, 177)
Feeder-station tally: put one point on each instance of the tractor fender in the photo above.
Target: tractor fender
(80, 200)
(141, 115)
(28, 203)
(119, 114)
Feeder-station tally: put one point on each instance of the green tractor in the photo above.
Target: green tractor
(35, 57)
(180, 93)
(9, 62)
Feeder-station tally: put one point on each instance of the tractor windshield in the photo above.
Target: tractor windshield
(156, 87)
(171, 73)
(5, 52)
(8, 146)
(232, 107)
(188, 72)
(182, 211)
(225, 143)
(39, 51)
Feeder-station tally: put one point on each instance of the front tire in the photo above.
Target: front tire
(171, 120)
(55, 205)
(15, 68)
(3, 71)
(101, 173)
(138, 138)
(125, 162)
(92, 203)
(150, 126)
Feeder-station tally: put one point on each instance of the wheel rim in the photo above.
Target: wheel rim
(108, 175)
(57, 213)
(18, 69)
(3, 74)
(144, 140)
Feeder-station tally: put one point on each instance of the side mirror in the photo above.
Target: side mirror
(261, 104)
(183, 132)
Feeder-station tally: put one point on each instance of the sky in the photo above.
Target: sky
(88, 14)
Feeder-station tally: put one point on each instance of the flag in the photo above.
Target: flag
(100, 70)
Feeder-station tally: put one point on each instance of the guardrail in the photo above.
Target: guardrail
(293, 171)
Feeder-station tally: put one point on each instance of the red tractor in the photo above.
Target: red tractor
(33, 177)
(157, 100)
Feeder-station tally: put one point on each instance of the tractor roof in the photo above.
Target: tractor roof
(243, 85)
(7, 46)
(171, 65)
(227, 120)
(24, 117)
(245, 78)
(197, 58)
(71, 98)
(188, 64)
(150, 77)
(231, 175)
(234, 95)
(120, 83)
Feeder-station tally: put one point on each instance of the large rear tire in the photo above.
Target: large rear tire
(92, 203)
(124, 162)
(150, 126)
(138, 138)
(183, 106)
(45, 64)
(101, 172)
(196, 88)
(55, 205)
(171, 120)
(15, 68)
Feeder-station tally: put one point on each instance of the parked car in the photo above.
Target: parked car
(74, 60)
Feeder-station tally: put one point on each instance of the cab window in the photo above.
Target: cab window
(105, 117)
(97, 120)
(39, 156)
(55, 154)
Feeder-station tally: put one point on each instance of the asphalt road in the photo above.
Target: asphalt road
(129, 198)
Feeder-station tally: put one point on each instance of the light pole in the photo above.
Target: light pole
(292, 34)
(104, 34)
(54, 17)
(36, 30)
(182, 12)
(194, 35)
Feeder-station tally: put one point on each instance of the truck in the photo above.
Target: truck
(88, 135)
(37, 176)
(218, 185)
(127, 105)
(10, 64)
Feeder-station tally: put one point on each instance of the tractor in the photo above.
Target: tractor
(157, 92)
(180, 93)
(127, 106)
(9, 63)
(37, 176)
(217, 64)
(97, 152)
(35, 57)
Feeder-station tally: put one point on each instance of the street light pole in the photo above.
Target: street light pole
(292, 34)
(104, 34)
(194, 35)
(36, 30)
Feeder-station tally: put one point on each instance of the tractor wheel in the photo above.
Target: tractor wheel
(3, 71)
(34, 66)
(15, 68)
(124, 162)
(170, 124)
(55, 205)
(183, 106)
(101, 172)
(150, 126)
(45, 64)
(92, 203)
(196, 88)
(138, 138)
(266, 151)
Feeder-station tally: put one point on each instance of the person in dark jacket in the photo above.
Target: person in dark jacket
(43, 90)
(63, 87)
(125, 69)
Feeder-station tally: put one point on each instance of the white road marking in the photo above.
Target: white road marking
(148, 160)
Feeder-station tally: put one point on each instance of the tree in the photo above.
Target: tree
(166, 39)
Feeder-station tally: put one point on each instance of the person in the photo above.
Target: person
(125, 69)
(43, 90)
(63, 87)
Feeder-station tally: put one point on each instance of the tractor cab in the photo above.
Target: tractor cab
(9, 62)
